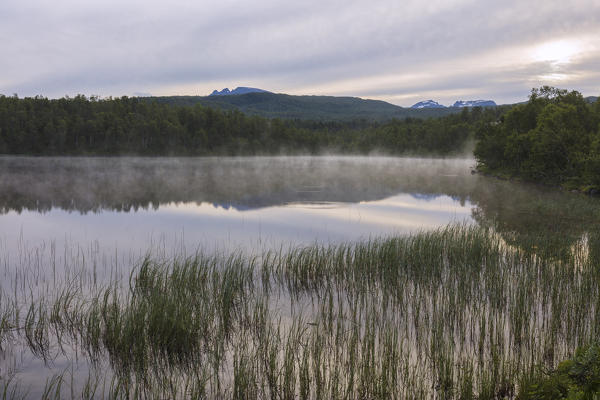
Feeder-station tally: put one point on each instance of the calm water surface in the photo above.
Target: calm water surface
(128, 205)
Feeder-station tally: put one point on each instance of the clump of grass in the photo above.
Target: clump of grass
(37, 329)
(54, 386)
(7, 323)
(173, 312)
(10, 389)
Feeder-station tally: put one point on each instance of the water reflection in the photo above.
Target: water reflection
(233, 202)
(247, 202)
(130, 184)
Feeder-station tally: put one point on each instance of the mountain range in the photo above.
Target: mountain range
(254, 101)
(319, 108)
(428, 104)
(458, 104)
(237, 90)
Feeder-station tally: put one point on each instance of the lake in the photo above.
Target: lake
(128, 206)
(81, 225)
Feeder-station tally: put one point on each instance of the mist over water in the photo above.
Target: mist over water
(127, 184)
(131, 204)
(107, 213)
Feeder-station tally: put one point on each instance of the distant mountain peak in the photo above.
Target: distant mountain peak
(428, 104)
(474, 103)
(223, 92)
(237, 90)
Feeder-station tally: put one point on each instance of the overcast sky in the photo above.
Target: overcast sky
(397, 51)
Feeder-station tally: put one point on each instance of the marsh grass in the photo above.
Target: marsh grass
(10, 388)
(456, 313)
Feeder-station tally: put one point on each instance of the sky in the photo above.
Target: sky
(397, 51)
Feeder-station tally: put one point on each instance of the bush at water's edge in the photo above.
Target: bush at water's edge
(576, 378)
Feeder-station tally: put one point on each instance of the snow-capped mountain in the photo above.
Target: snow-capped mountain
(238, 90)
(459, 103)
(474, 103)
(428, 104)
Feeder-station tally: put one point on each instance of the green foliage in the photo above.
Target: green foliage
(552, 139)
(82, 126)
(576, 379)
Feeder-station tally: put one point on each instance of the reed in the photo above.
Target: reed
(456, 313)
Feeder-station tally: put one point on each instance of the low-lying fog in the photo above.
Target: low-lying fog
(125, 203)
(122, 207)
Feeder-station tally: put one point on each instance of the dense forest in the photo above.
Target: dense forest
(553, 139)
(134, 126)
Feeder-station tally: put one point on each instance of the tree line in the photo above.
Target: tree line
(553, 139)
(134, 126)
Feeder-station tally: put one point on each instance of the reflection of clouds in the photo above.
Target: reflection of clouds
(318, 205)
(207, 226)
(403, 212)
(426, 203)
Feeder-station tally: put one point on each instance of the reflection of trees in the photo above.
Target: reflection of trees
(539, 219)
(533, 217)
(129, 184)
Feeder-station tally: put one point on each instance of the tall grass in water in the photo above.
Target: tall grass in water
(454, 313)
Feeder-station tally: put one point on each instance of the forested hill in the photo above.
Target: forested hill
(322, 108)
(554, 139)
(132, 126)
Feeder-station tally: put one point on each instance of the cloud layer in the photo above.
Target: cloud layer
(400, 52)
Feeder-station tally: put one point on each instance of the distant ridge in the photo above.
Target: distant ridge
(318, 108)
(237, 90)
